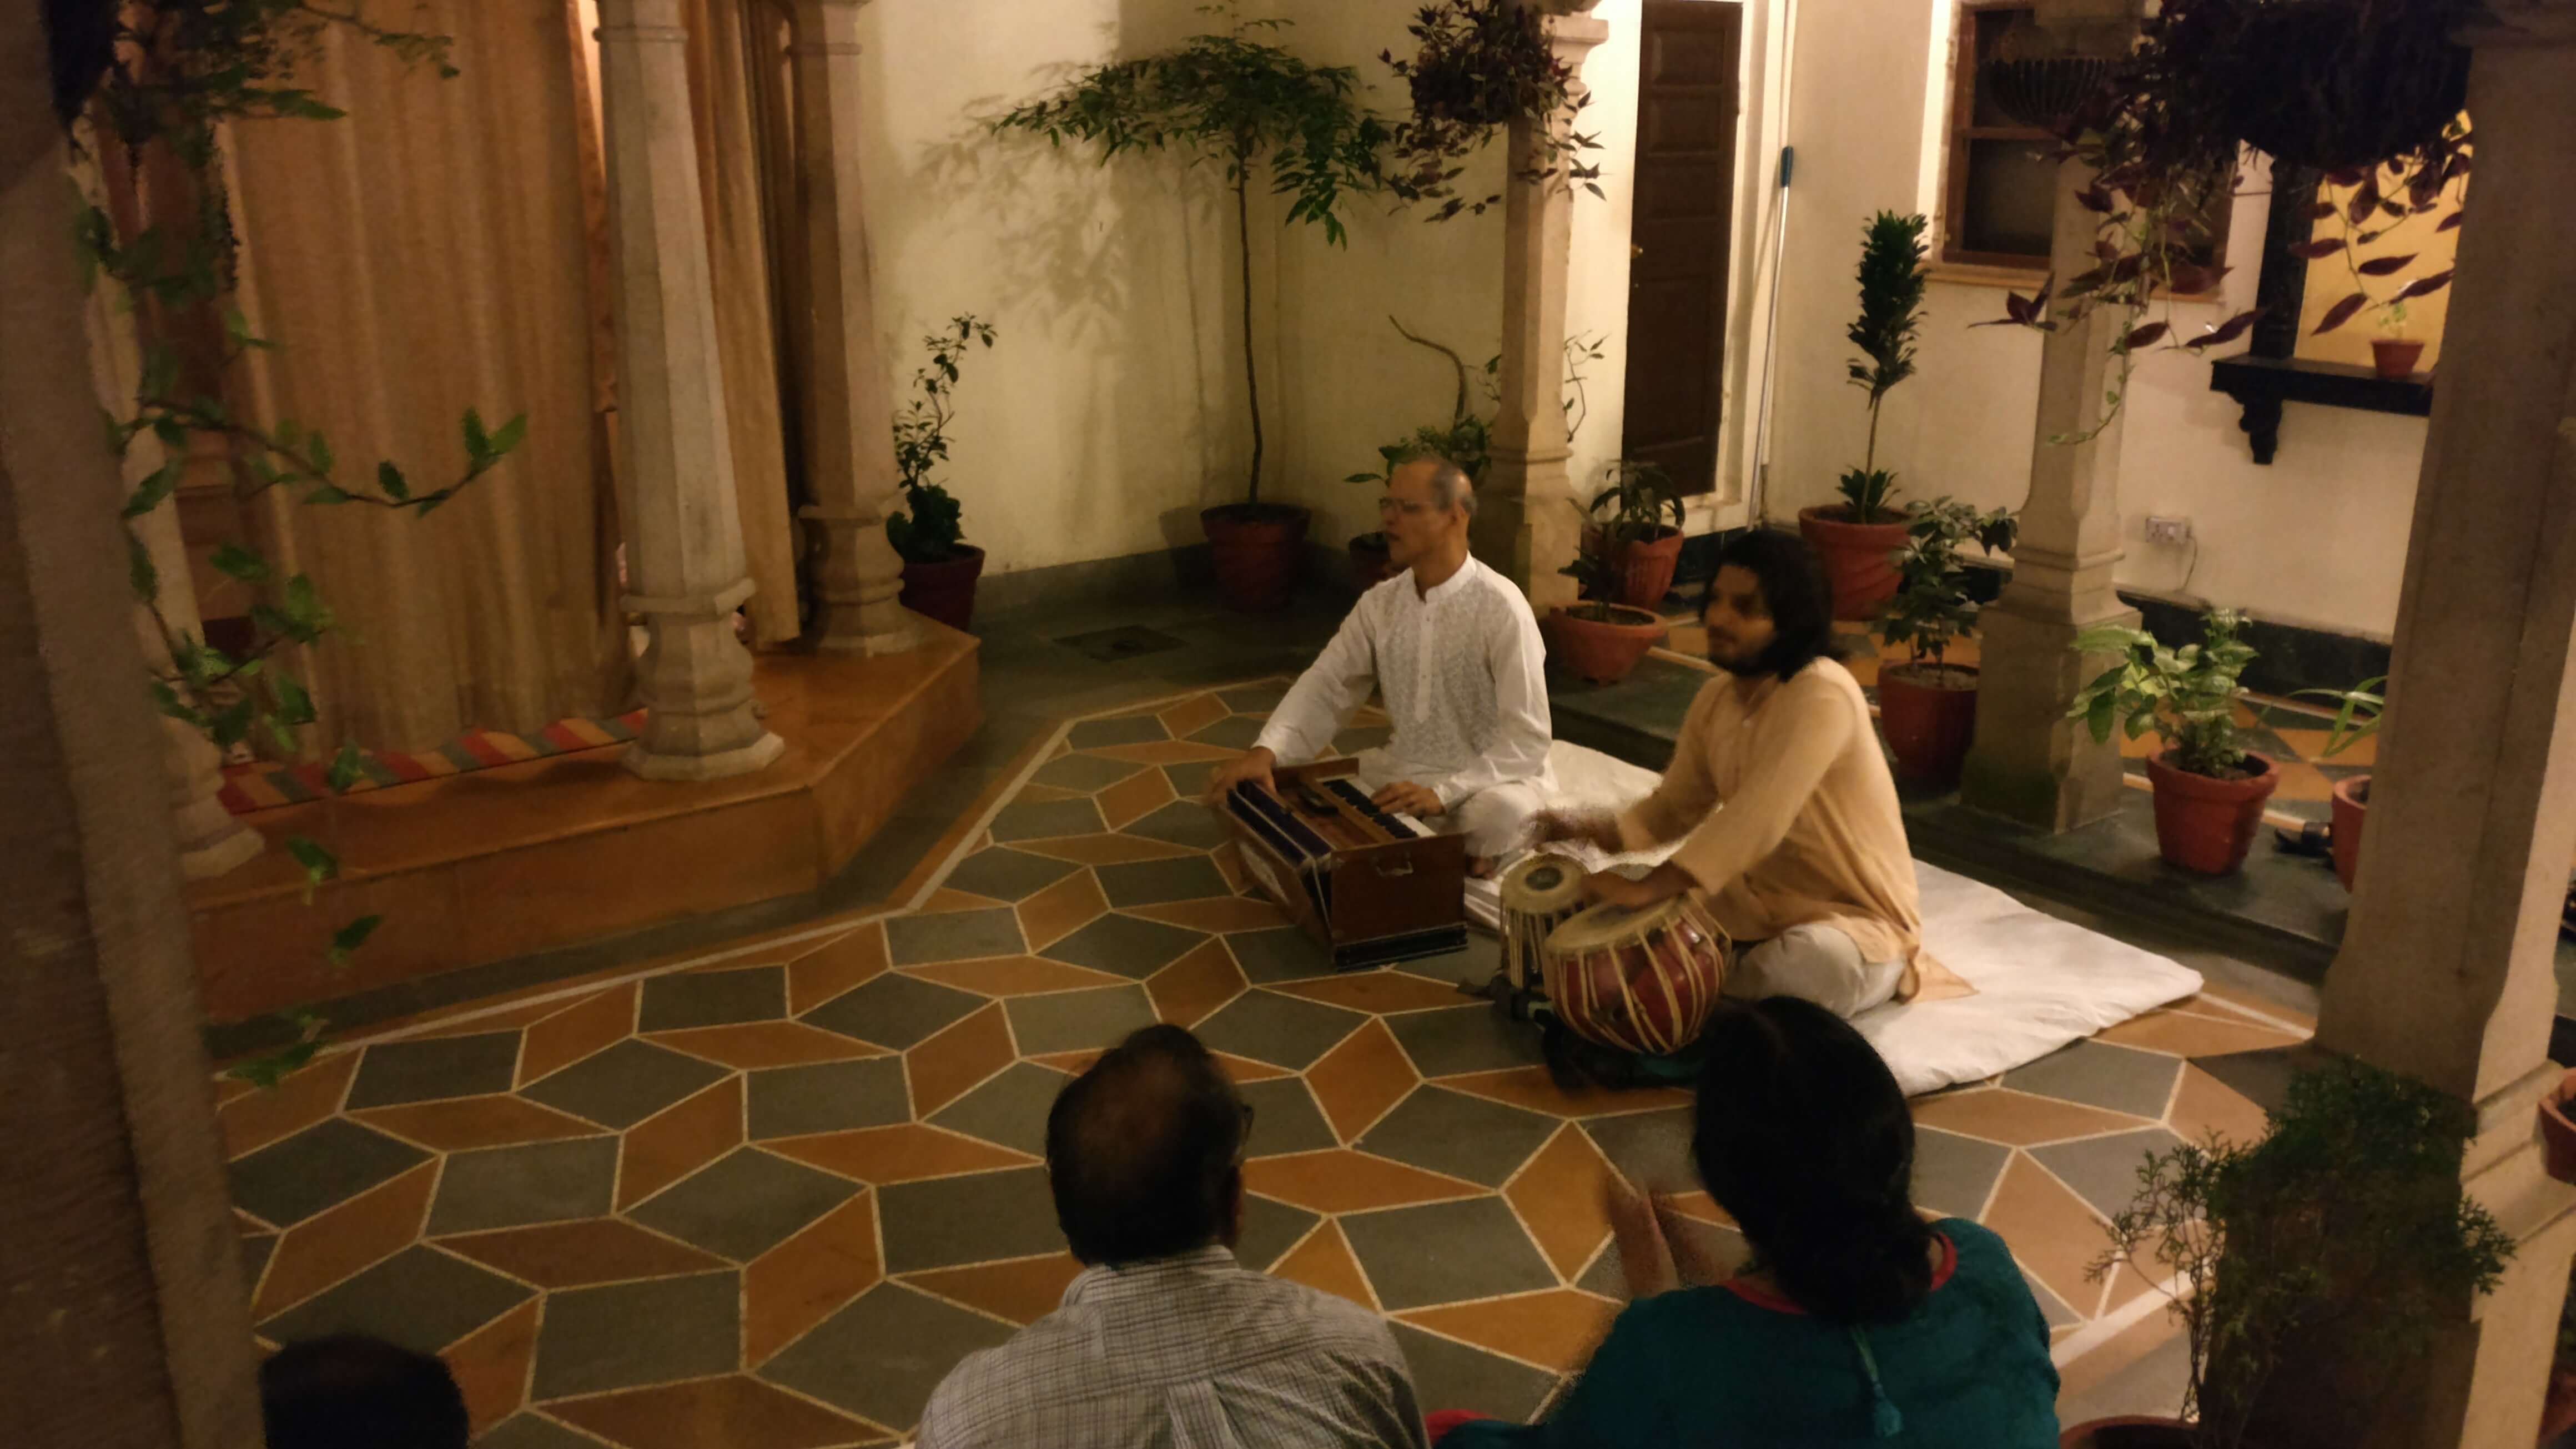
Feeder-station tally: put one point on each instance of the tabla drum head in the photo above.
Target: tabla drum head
(1543, 885)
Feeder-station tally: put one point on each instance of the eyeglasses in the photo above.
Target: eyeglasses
(1408, 509)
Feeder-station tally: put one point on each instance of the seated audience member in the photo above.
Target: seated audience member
(1164, 1341)
(351, 1391)
(1855, 1322)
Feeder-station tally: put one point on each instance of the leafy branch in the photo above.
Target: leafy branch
(1478, 66)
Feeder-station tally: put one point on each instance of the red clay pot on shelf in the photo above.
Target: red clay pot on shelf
(2395, 356)
(1859, 558)
(1645, 568)
(1260, 549)
(945, 590)
(1369, 562)
(1602, 651)
(1929, 714)
(2207, 825)
(2351, 812)
(2558, 1129)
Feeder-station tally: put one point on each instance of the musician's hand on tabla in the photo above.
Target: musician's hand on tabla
(1408, 798)
(1253, 765)
(1612, 888)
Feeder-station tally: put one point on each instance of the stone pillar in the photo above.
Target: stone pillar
(849, 406)
(2030, 763)
(125, 1317)
(1528, 523)
(686, 569)
(2445, 973)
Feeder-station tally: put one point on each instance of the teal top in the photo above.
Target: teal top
(1732, 1367)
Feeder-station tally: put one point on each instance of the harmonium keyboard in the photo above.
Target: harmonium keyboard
(1369, 886)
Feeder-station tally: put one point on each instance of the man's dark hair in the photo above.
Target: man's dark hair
(333, 1393)
(1793, 584)
(1145, 1150)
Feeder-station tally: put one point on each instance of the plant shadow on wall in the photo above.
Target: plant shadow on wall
(177, 71)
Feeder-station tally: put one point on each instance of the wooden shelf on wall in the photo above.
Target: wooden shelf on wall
(2262, 384)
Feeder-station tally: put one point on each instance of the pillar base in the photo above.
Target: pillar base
(643, 762)
(859, 581)
(2030, 763)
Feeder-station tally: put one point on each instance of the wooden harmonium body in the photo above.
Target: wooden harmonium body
(1369, 886)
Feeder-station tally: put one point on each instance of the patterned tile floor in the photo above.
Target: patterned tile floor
(767, 1197)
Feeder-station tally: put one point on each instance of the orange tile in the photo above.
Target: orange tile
(754, 1044)
(1556, 1329)
(2049, 1229)
(2311, 745)
(1072, 1064)
(2086, 1374)
(1229, 863)
(1164, 752)
(1190, 990)
(1062, 909)
(227, 1088)
(1558, 1195)
(491, 1365)
(1358, 1080)
(1014, 975)
(1324, 1262)
(944, 901)
(2137, 1276)
(2203, 1104)
(2300, 780)
(680, 1139)
(2018, 1119)
(1103, 849)
(1532, 1088)
(1022, 1290)
(1381, 991)
(271, 1114)
(808, 1278)
(465, 1123)
(2194, 1036)
(717, 1413)
(1242, 1070)
(835, 967)
(1339, 1180)
(324, 1251)
(958, 1059)
(1217, 915)
(578, 1254)
(577, 1031)
(1193, 715)
(1135, 797)
(1698, 1207)
(906, 1152)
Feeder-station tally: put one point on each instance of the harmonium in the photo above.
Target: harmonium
(1369, 886)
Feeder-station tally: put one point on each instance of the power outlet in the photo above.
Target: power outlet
(2168, 530)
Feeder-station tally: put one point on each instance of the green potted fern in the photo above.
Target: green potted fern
(1927, 706)
(940, 569)
(1599, 639)
(1641, 549)
(1858, 539)
(2209, 788)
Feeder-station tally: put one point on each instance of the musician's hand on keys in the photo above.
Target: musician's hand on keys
(1408, 798)
(1589, 827)
(1253, 764)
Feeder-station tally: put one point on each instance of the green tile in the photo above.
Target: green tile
(743, 1204)
(827, 1097)
(420, 1298)
(1153, 882)
(288, 1181)
(398, 1072)
(509, 1187)
(1071, 1021)
(944, 1222)
(954, 936)
(1086, 773)
(894, 1010)
(627, 1335)
(1449, 1132)
(1128, 946)
(1455, 1376)
(625, 1084)
(1285, 1031)
(1004, 874)
(714, 998)
(1445, 1252)
(905, 1339)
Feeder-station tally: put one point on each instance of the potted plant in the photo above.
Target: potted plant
(1640, 548)
(939, 567)
(1467, 441)
(1857, 538)
(2309, 1268)
(2394, 355)
(1232, 98)
(2356, 719)
(2209, 788)
(1477, 66)
(1927, 707)
(1599, 639)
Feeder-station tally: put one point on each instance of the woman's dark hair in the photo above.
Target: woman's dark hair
(1794, 590)
(333, 1393)
(1802, 1136)
(1144, 1151)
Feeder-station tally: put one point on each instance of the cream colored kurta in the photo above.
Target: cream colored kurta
(1810, 832)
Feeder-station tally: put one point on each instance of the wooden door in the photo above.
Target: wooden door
(1679, 222)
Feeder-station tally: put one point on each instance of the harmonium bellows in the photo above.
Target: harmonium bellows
(1369, 886)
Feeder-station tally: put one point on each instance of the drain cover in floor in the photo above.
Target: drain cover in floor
(1125, 642)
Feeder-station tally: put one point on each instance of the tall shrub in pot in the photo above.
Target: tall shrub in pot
(1857, 538)
(2209, 788)
(1927, 706)
(940, 568)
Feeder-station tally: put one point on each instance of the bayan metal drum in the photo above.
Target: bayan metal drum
(1539, 894)
(1639, 980)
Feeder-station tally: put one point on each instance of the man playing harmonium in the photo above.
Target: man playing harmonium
(1456, 650)
(1805, 865)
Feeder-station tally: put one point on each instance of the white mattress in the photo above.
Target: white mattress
(2041, 982)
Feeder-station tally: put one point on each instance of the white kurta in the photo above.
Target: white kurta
(1465, 679)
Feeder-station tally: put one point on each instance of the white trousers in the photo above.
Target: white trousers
(1496, 821)
(1814, 963)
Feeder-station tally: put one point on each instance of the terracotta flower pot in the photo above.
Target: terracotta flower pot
(1260, 549)
(1859, 558)
(2558, 1410)
(2128, 1431)
(2395, 356)
(2351, 812)
(1645, 568)
(2207, 825)
(1603, 651)
(1369, 562)
(945, 590)
(2558, 1129)
(1929, 714)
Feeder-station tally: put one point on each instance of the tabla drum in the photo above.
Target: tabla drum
(1638, 980)
(1539, 895)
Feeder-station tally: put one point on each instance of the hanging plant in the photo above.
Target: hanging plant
(2366, 212)
(1480, 65)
